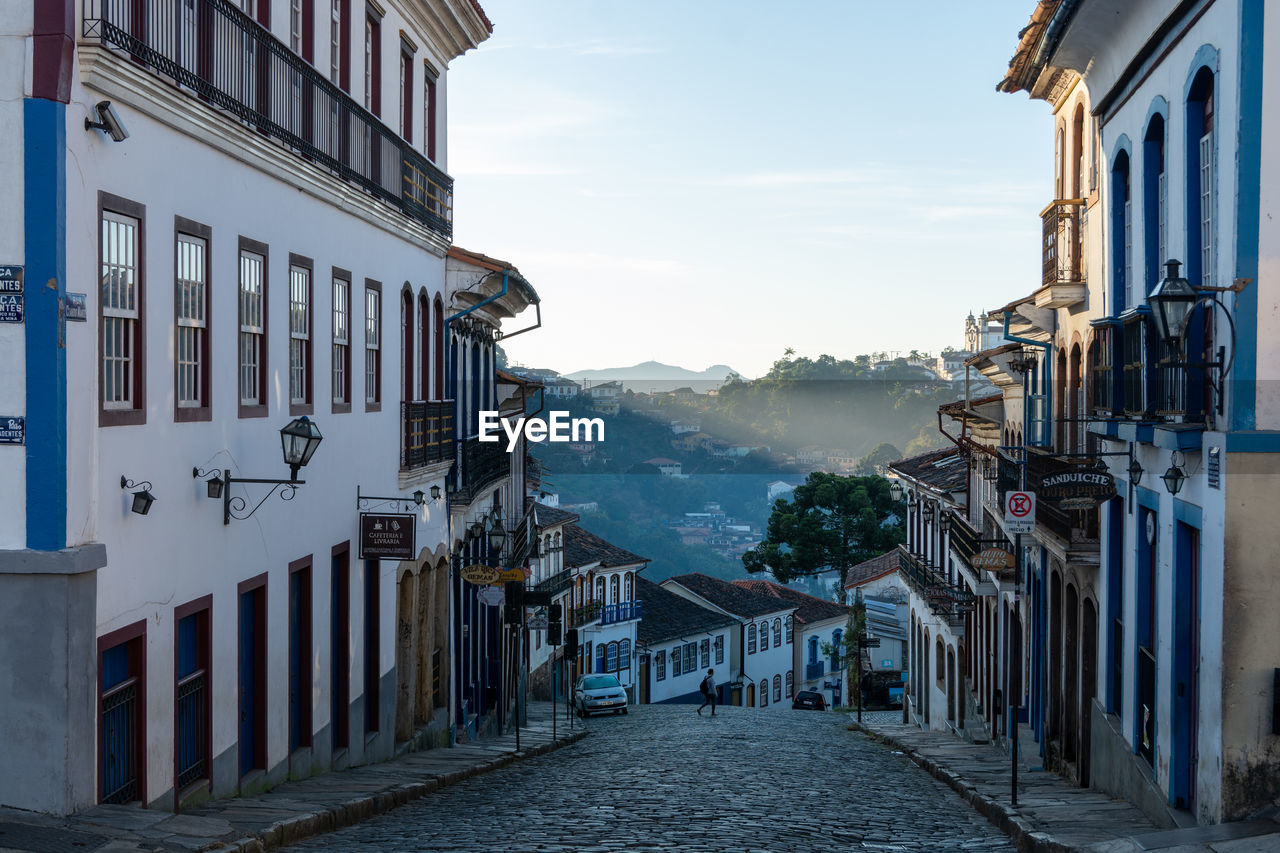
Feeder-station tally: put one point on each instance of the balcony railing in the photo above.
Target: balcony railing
(624, 612)
(964, 539)
(945, 599)
(1063, 242)
(479, 464)
(814, 670)
(426, 430)
(555, 584)
(230, 61)
(587, 613)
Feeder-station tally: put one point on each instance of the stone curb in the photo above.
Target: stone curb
(1026, 837)
(297, 828)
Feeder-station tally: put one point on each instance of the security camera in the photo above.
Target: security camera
(107, 121)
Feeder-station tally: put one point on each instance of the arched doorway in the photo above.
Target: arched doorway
(1088, 682)
(751, 695)
(406, 590)
(1072, 675)
(1055, 655)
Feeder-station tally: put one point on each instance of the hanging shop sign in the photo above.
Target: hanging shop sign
(478, 574)
(386, 536)
(993, 559)
(1079, 488)
(516, 575)
(493, 596)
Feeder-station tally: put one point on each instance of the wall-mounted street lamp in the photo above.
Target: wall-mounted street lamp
(142, 498)
(927, 507)
(895, 490)
(298, 442)
(1175, 476)
(1135, 472)
(1172, 304)
(944, 522)
(435, 493)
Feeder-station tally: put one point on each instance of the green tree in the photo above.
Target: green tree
(831, 524)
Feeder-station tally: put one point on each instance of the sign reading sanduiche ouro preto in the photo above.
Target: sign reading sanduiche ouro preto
(1078, 488)
(386, 536)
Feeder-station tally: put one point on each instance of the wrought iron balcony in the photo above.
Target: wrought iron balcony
(556, 584)
(624, 612)
(480, 464)
(814, 670)
(945, 599)
(1078, 528)
(227, 59)
(426, 433)
(1063, 282)
(964, 539)
(587, 613)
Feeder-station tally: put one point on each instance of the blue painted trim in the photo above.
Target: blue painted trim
(1159, 107)
(1179, 437)
(1110, 429)
(1136, 431)
(1243, 412)
(1187, 513)
(1148, 498)
(45, 250)
(1254, 441)
(1206, 57)
(1122, 144)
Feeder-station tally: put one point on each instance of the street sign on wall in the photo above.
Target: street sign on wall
(12, 277)
(1020, 512)
(13, 430)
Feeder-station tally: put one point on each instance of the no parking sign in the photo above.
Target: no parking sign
(1020, 512)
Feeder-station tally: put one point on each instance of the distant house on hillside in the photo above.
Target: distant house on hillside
(605, 406)
(668, 467)
(778, 489)
(684, 394)
(603, 391)
(683, 427)
(562, 389)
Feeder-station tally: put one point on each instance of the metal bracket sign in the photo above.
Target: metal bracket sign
(1019, 512)
(478, 574)
(538, 622)
(11, 293)
(994, 559)
(386, 536)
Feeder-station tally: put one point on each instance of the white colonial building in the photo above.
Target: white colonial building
(761, 658)
(679, 641)
(818, 654)
(228, 222)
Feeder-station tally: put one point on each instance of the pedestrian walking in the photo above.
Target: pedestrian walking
(708, 688)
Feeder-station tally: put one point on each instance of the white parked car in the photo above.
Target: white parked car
(597, 694)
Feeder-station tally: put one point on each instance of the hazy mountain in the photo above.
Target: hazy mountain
(656, 376)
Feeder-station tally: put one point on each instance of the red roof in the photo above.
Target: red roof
(873, 569)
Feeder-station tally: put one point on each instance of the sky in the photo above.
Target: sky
(712, 182)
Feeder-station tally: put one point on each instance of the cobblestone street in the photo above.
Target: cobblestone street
(663, 777)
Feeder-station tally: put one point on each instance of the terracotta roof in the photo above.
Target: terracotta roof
(516, 379)
(945, 470)
(876, 567)
(668, 616)
(582, 547)
(548, 516)
(481, 260)
(735, 599)
(660, 460)
(958, 406)
(475, 4)
(809, 609)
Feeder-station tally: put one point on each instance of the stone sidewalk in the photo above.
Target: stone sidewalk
(291, 811)
(1052, 815)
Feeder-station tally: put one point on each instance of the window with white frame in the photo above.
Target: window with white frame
(719, 644)
(764, 636)
(624, 655)
(121, 320)
(190, 296)
(790, 684)
(660, 665)
(690, 662)
(764, 692)
(295, 26)
(751, 638)
(613, 590)
(372, 345)
(704, 650)
(299, 335)
(611, 658)
(335, 42)
(777, 688)
(252, 328)
(777, 631)
(788, 625)
(675, 662)
(1206, 196)
(341, 358)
